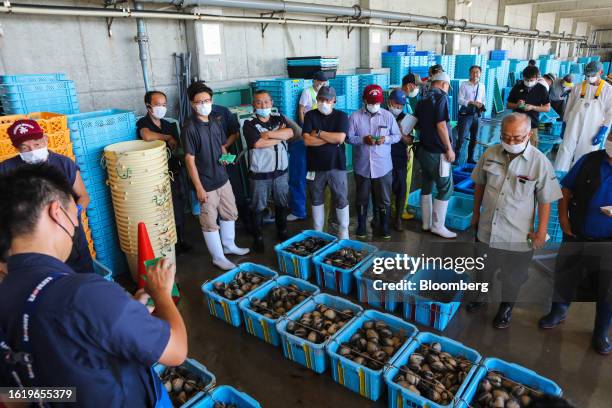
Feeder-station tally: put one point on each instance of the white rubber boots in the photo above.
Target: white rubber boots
(318, 219)
(222, 242)
(434, 215)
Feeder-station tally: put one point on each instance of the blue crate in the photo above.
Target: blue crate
(334, 278)
(280, 84)
(225, 309)
(115, 262)
(199, 371)
(510, 371)
(400, 397)
(31, 78)
(466, 186)
(429, 312)
(402, 48)
(464, 169)
(94, 129)
(389, 300)
(102, 270)
(40, 89)
(363, 380)
(295, 265)
(65, 105)
(498, 54)
(265, 327)
(228, 395)
(311, 355)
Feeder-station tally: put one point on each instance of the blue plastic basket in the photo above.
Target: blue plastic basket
(197, 369)
(223, 308)
(513, 372)
(389, 300)
(400, 397)
(37, 88)
(265, 327)
(464, 169)
(363, 380)
(102, 270)
(430, 312)
(310, 355)
(31, 78)
(466, 186)
(295, 265)
(228, 395)
(65, 105)
(335, 278)
(95, 129)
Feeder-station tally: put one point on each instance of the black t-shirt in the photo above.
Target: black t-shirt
(537, 95)
(399, 150)
(251, 132)
(431, 110)
(203, 140)
(328, 156)
(167, 128)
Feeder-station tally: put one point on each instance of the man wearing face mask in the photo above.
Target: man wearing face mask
(587, 234)
(267, 136)
(471, 104)
(77, 330)
(588, 116)
(530, 97)
(324, 132)
(31, 142)
(559, 90)
(151, 127)
(510, 178)
(372, 131)
(205, 139)
(435, 154)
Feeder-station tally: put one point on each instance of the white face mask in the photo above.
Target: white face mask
(608, 147)
(413, 93)
(35, 156)
(325, 108)
(530, 84)
(373, 108)
(204, 109)
(515, 148)
(592, 79)
(395, 111)
(159, 111)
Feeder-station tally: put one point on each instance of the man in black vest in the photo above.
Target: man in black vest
(586, 219)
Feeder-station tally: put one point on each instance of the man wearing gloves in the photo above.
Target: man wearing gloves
(588, 116)
(324, 132)
(401, 153)
(435, 155)
(204, 139)
(266, 136)
(372, 131)
(587, 235)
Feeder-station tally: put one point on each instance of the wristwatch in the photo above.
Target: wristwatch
(319, 134)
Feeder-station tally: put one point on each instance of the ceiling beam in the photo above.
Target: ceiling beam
(543, 7)
(522, 2)
(586, 13)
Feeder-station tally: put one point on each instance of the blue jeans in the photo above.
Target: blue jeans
(467, 126)
(297, 178)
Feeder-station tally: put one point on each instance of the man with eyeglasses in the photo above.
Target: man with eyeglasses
(510, 178)
(205, 141)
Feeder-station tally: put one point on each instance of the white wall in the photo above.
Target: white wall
(481, 11)
(517, 16)
(545, 22)
(565, 25)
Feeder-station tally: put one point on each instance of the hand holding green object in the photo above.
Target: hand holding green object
(174, 292)
(227, 158)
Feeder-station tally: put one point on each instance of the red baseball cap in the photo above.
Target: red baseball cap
(373, 94)
(24, 129)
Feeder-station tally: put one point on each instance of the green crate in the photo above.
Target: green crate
(233, 96)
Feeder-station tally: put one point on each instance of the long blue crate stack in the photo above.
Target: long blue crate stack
(285, 93)
(502, 72)
(516, 70)
(498, 55)
(565, 68)
(90, 133)
(431, 56)
(347, 85)
(22, 94)
(586, 60)
(549, 66)
(489, 81)
(463, 63)
(407, 49)
(381, 80)
(455, 84)
(606, 68)
(448, 64)
(401, 64)
(554, 227)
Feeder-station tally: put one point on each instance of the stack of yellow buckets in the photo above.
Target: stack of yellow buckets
(140, 187)
(55, 127)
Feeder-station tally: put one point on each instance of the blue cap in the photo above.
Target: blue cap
(398, 96)
(593, 68)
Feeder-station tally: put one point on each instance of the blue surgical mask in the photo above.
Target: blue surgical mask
(263, 112)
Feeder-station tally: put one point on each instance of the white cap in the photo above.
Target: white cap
(442, 76)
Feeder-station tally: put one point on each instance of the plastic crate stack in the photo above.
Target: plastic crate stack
(463, 63)
(454, 108)
(448, 64)
(516, 70)
(285, 93)
(306, 67)
(407, 49)
(549, 66)
(90, 133)
(381, 80)
(565, 68)
(22, 94)
(498, 55)
(503, 70)
(606, 68)
(347, 86)
(397, 63)
(55, 127)
(554, 227)
(489, 91)
(586, 60)
(431, 56)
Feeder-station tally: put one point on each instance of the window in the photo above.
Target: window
(211, 35)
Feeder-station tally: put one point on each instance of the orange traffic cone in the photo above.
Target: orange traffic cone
(145, 252)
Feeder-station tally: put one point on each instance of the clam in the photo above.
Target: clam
(181, 384)
(319, 324)
(503, 392)
(240, 285)
(345, 258)
(307, 246)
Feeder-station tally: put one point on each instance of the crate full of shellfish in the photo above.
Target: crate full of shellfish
(365, 279)
(264, 306)
(187, 383)
(295, 254)
(498, 381)
(434, 307)
(433, 372)
(225, 396)
(224, 293)
(368, 346)
(334, 266)
(307, 329)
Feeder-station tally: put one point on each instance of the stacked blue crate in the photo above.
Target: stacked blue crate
(22, 94)
(498, 55)
(549, 66)
(407, 49)
(606, 68)
(422, 70)
(516, 68)
(285, 93)
(489, 82)
(463, 63)
(565, 68)
(448, 64)
(90, 133)
(455, 84)
(347, 85)
(397, 64)
(503, 70)
(381, 80)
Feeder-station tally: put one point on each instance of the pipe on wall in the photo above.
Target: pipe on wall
(142, 39)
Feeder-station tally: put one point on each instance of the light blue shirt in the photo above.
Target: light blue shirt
(372, 161)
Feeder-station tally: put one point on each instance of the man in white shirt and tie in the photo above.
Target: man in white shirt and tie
(471, 104)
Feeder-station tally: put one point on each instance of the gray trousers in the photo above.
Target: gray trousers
(430, 175)
(261, 190)
(336, 180)
(381, 187)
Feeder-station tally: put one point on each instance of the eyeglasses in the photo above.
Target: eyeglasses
(202, 102)
(509, 138)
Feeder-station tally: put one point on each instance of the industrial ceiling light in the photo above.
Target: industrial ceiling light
(466, 3)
